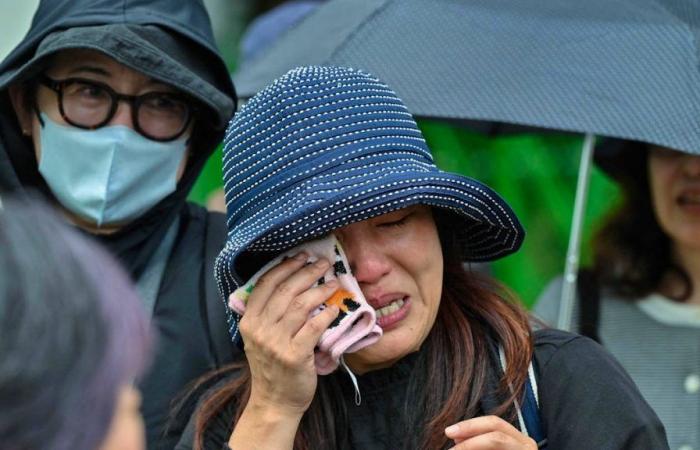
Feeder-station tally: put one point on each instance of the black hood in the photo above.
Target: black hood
(192, 46)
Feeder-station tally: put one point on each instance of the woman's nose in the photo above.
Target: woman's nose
(123, 115)
(368, 261)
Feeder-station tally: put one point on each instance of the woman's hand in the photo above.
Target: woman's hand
(279, 340)
(279, 337)
(488, 433)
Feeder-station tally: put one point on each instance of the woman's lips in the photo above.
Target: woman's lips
(391, 316)
(690, 196)
(689, 201)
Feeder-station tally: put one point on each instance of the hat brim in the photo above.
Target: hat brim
(489, 229)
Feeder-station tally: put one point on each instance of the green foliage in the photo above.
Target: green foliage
(536, 173)
(210, 180)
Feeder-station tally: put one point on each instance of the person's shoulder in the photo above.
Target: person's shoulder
(560, 354)
(199, 221)
(217, 221)
(551, 342)
(554, 338)
(197, 212)
(578, 380)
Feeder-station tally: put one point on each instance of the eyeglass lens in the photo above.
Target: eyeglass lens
(159, 115)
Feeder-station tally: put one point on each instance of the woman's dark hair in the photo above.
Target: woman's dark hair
(631, 252)
(446, 385)
(72, 332)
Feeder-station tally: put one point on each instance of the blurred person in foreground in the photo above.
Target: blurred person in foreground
(332, 150)
(640, 299)
(110, 109)
(73, 337)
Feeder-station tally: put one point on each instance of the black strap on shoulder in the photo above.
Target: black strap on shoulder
(222, 347)
(530, 409)
(589, 304)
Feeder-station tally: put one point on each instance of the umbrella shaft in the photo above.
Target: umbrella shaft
(568, 292)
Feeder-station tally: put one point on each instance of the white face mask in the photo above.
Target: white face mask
(108, 175)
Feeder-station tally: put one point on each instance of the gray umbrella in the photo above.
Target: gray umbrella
(622, 68)
(619, 68)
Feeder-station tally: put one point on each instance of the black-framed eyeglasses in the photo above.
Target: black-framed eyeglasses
(88, 104)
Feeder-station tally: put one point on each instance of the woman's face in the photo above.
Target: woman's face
(397, 261)
(126, 432)
(674, 180)
(94, 67)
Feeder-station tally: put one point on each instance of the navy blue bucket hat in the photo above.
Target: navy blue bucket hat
(322, 147)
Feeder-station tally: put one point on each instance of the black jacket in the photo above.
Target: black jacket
(586, 399)
(190, 319)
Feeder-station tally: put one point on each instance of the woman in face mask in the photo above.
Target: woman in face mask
(110, 110)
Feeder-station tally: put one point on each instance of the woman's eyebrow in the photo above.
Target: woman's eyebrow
(89, 69)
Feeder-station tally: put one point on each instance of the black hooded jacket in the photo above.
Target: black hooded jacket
(188, 315)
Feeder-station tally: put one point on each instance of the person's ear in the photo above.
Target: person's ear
(19, 98)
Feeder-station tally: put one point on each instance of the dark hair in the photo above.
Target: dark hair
(72, 332)
(448, 382)
(631, 251)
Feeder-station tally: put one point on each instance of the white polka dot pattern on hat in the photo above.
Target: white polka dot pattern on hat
(322, 147)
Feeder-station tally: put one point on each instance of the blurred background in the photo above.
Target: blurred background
(535, 172)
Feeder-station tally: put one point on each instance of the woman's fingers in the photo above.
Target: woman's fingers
(282, 302)
(300, 307)
(289, 290)
(268, 282)
(310, 333)
(276, 289)
(488, 432)
(494, 440)
(479, 425)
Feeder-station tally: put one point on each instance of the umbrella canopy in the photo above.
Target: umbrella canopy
(620, 68)
(626, 69)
